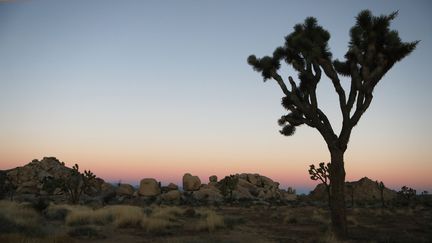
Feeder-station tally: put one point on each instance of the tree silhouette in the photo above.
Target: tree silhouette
(381, 187)
(373, 49)
(321, 173)
(227, 185)
(73, 184)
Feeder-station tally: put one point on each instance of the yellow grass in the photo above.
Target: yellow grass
(161, 218)
(20, 214)
(153, 224)
(330, 237)
(119, 216)
(209, 220)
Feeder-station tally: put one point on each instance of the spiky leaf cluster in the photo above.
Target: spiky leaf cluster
(321, 173)
(407, 192)
(373, 48)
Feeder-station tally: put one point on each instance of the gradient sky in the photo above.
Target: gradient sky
(135, 89)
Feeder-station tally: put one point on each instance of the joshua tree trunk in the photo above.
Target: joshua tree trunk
(337, 197)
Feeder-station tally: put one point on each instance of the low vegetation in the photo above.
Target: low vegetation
(20, 222)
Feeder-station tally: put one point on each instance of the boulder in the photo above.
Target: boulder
(170, 196)
(172, 187)
(208, 195)
(125, 189)
(191, 183)
(149, 187)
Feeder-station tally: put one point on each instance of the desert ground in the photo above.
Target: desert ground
(23, 222)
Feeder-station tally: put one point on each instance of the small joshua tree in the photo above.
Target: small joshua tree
(227, 185)
(406, 194)
(381, 188)
(321, 173)
(73, 184)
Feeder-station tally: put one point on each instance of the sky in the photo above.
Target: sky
(138, 89)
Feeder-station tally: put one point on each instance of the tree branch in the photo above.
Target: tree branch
(331, 73)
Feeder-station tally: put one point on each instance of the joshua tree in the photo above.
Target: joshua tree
(372, 51)
(381, 187)
(407, 193)
(74, 184)
(322, 174)
(227, 185)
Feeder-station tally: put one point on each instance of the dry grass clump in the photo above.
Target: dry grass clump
(118, 215)
(162, 218)
(330, 237)
(60, 211)
(209, 220)
(20, 215)
(126, 216)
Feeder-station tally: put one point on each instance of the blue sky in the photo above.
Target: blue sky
(163, 87)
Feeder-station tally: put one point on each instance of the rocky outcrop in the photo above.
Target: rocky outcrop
(191, 183)
(29, 179)
(250, 187)
(364, 189)
(149, 187)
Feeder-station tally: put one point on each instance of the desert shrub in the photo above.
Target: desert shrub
(60, 211)
(329, 237)
(167, 212)
(118, 215)
(162, 218)
(19, 218)
(155, 225)
(209, 221)
(126, 216)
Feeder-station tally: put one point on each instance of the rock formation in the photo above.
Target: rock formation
(362, 190)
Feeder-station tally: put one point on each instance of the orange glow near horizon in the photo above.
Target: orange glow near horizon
(114, 166)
